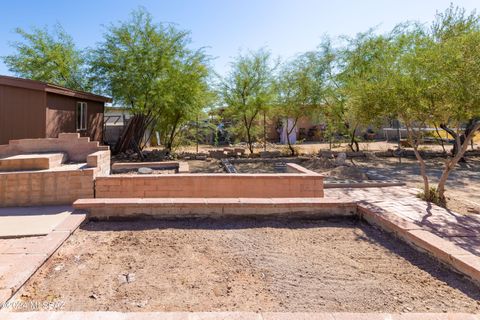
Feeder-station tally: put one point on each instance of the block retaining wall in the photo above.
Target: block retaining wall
(210, 186)
(53, 187)
(45, 187)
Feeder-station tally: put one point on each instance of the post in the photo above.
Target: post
(264, 131)
(196, 134)
(399, 136)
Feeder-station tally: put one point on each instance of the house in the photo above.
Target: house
(34, 109)
(115, 121)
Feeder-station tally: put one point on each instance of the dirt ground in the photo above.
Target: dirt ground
(313, 147)
(246, 265)
(200, 166)
(258, 167)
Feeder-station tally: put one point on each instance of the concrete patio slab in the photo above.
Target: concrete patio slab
(21, 257)
(31, 221)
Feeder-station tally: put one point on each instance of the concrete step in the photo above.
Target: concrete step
(36, 161)
(121, 208)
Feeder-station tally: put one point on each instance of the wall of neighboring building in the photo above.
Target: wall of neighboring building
(115, 120)
(22, 113)
(61, 116)
(307, 129)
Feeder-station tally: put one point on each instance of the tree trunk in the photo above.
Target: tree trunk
(458, 139)
(248, 127)
(353, 141)
(440, 139)
(196, 135)
(133, 134)
(249, 141)
(421, 162)
(171, 136)
(292, 150)
(264, 131)
(450, 164)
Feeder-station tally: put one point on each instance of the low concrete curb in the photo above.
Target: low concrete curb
(161, 208)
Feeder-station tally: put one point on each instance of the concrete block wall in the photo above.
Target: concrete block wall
(77, 148)
(54, 186)
(28, 188)
(100, 160)
(295, 168)
(210, 186)
(32, 162)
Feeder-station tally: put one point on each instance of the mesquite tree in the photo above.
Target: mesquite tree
(298, 91)
(412, 75)
(50, 57)
(247, 92)
(188, 95)
(457, 38)
(150, 69)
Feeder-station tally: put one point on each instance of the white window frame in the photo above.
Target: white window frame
(81, 111)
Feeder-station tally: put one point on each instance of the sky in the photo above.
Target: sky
(224, 28)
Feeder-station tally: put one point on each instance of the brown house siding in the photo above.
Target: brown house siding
(61, 116)
(21, 113)
(33, 109)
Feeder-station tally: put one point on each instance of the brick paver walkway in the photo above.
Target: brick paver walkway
(462, 230)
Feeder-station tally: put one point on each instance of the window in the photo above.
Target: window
(81, 116)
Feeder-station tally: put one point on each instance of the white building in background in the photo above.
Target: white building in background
(287, 126)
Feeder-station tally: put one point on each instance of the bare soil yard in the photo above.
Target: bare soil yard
(200, 166)
(246, 265)
(258, 167)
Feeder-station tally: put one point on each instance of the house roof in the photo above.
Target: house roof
(47, 87)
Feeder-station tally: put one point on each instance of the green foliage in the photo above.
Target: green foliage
(394, 80)
(297, 89)
(248, 92)
(457, 61)
(49, 57)
(421, 76)
(132, 62)
(150, 69)
(202, 130)
(188, 94)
